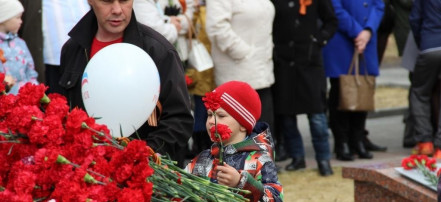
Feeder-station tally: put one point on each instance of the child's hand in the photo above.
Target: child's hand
(227, 175)
(10, 81)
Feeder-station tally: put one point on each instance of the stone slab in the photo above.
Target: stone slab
(381, 182)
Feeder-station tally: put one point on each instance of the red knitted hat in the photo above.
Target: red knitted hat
(241, 101)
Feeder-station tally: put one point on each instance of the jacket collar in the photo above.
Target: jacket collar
(8, 36)
(84, 31)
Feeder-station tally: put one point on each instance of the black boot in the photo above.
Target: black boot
(343, 153)
(324, 167)
(361, 151)
(409, 139)
(370, 146)
(296, 164)
(373, 147)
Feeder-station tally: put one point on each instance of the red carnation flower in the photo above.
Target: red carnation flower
(408, 163)
(431, 164)
(23, 182)
(2, 78)
(7, 103)
(55, 130)
(188, 80)
(37, 133)
(223, 131)
(58, 106)
(75, 119)
(31, 94)
(212, 100)
(20, 118)
(131, 195)
(123, 173)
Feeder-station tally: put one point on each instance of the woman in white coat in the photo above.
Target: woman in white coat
(150, 13)
(241, 35)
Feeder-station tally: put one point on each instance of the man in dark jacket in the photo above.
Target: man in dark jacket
(170, 125)
(300, 77)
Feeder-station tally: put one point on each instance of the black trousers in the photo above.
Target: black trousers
(266, 98)
(346, 126)
(424, 79)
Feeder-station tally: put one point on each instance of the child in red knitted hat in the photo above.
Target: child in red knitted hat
(242, 155)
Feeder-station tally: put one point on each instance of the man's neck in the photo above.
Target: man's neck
(106, 37)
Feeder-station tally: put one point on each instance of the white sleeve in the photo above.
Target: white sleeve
(220, 32)
(148, 14)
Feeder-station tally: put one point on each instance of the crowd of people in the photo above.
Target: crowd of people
(273, 60)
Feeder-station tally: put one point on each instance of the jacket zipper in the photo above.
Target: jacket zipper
(85, 52)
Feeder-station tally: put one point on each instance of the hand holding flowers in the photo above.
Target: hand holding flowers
(227, 175)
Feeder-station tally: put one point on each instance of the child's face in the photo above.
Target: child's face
(12, 25)
(238, 132)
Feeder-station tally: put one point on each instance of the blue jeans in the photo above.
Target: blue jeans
(293, 139)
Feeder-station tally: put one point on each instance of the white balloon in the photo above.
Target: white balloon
(121, 86)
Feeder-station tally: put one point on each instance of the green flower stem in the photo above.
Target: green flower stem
(89, 179)
(63, 160)
(431, 177)
(105, 144)
(84, 125)
(199, 179)
(193, 187)
(10, 141)
(34, 118)
(221, 149)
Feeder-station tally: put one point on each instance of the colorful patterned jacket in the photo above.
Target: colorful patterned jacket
(19, 63)
(253, 158)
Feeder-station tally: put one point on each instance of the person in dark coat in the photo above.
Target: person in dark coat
(170, 125)
(31, 32)
(300, 78)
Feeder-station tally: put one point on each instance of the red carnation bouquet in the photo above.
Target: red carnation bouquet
(427, 166)
(49, 153)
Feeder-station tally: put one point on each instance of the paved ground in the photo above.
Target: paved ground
(386, 127)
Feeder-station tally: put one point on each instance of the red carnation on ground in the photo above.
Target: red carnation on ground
(431, 164)
(408, 163)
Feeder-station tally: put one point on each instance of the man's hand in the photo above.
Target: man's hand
(227, 175)
(362, 40)
(176, 22)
